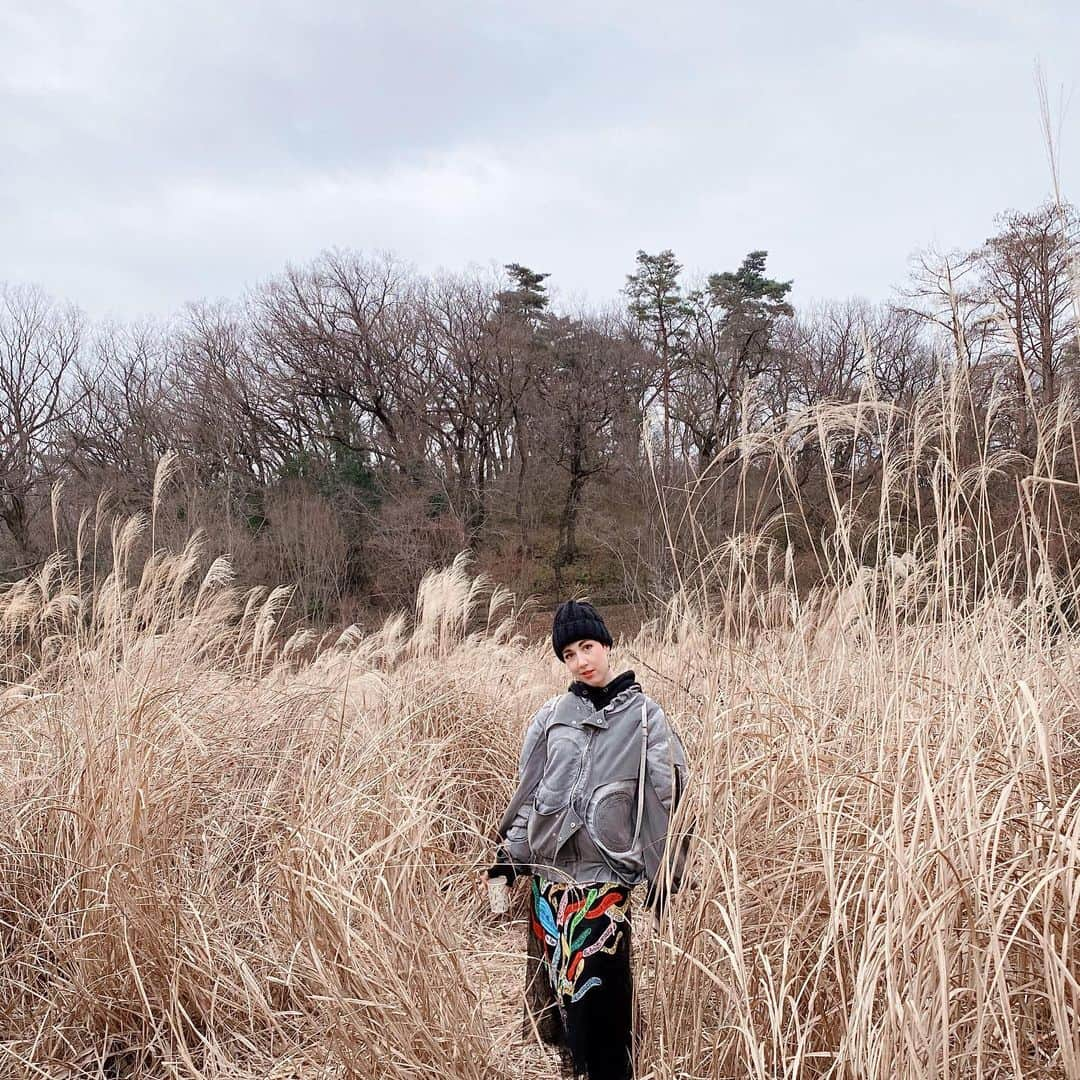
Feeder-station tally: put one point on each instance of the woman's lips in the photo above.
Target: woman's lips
(587, 674)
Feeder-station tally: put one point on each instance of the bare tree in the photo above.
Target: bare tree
(39, 345)
(840, 353)
(588, 393)
(236, 419)
(477, 378)
(1008, 311)
(1025, 270)
(834, 351)
(944, 290)
(341, 339)
(123, 418)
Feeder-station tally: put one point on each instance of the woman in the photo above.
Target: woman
(601, 772)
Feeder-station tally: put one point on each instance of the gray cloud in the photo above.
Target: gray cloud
(157, 152)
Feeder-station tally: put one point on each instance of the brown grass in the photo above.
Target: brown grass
(225, 854)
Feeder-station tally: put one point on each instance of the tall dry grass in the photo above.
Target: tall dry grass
(229, 854)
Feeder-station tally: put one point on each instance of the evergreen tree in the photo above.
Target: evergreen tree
(730, 326)
(525, 307)
(752, 301)
(529, 300)
(657, 304)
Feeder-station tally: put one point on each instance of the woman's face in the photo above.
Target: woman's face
(588, 661)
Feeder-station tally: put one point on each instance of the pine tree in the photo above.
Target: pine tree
(530, 299)
(657, 303)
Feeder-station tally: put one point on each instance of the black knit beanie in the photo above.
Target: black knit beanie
(577, 622)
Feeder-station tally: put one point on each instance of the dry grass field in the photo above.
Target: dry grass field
(229, 855)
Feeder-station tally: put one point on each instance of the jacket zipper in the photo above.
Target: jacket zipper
(581, 770)
(585, 752)
(577, 781)
(581, 767)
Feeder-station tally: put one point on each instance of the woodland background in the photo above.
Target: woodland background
(350, 422)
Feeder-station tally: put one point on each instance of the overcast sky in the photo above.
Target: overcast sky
(159, 151)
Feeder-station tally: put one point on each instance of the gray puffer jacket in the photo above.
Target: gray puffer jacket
(596, 791)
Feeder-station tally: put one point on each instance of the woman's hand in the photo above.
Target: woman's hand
(498, 892)
(498, 879)
(503, 867)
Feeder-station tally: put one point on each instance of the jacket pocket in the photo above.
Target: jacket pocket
(565, 750)
(517, 844)
(610, 818)
(543, 835)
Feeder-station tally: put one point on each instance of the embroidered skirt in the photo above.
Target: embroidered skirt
(579, 986)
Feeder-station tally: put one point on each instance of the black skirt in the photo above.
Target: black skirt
(578, 984)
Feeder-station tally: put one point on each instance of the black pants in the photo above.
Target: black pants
(579, 989)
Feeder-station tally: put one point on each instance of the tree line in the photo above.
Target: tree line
(350, 421)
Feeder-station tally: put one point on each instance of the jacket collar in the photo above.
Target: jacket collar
(602, 696)
(579, 711)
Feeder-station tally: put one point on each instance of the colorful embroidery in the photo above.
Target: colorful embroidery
(574, 922)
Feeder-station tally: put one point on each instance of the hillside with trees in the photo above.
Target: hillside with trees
(350, 422)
